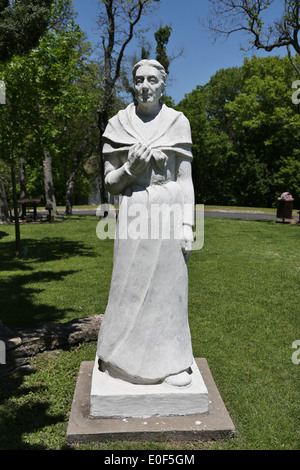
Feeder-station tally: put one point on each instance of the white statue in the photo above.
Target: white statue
(145, 336)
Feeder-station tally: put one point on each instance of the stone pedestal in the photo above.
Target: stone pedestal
(216, 424)
(111, 397)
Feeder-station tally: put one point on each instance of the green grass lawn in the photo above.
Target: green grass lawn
(64, 275)
(244, 316)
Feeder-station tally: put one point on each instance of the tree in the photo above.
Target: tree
(162, 36)
(13, 119)
(21, 27)
(245, 131)
(214, 156)
(22, 23)
(55, 66)
(82, 139)
(42, 98)
(229, 16)
(117, 22)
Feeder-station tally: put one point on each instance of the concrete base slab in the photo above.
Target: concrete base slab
(112, 397)
(82, 428)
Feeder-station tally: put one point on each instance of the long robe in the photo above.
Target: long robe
(145, 331)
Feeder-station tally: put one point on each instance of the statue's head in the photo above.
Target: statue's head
(149, 78)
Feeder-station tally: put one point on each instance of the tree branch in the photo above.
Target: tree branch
(229, 16)
(140, 5)
(297, 69)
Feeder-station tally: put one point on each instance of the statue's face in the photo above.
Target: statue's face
(148, 85)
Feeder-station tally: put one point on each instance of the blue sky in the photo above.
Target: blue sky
(202, 56)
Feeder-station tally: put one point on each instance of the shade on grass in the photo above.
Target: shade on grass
(244, 317)
(64, 275)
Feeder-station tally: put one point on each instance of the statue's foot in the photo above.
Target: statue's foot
(183, 379)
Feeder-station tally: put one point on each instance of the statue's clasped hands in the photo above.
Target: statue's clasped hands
(139, 157)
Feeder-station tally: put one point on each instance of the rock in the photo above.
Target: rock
(22, 343)
(12, 343)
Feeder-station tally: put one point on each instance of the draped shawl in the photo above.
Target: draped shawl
(173, 132)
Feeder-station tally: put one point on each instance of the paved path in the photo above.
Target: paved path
(224, 214)
(240, 215)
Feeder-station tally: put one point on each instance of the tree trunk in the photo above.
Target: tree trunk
(69, 194)
(75, 167)
(70, 185)
(48, 181)
(4, 216)
(15, 199)
(22, 178)
(103, 121)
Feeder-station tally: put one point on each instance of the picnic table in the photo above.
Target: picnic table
(32, 203)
